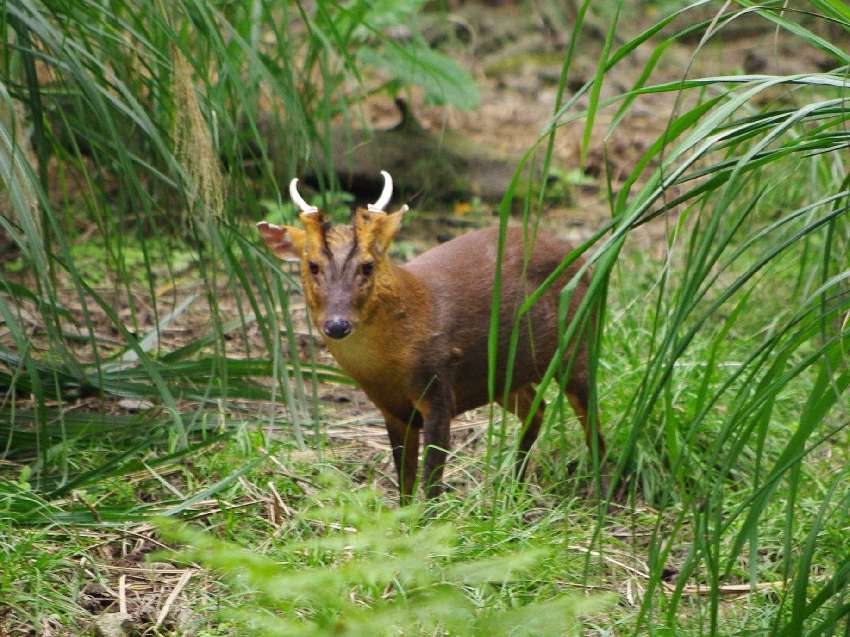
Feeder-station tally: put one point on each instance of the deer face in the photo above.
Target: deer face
(342, 266)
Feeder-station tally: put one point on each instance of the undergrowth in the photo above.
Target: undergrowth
(717, 315)
(347, 565)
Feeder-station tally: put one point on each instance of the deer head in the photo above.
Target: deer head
(343, 267)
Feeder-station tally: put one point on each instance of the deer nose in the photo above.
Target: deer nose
(337, 328)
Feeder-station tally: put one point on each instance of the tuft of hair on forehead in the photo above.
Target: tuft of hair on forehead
(366, 226)
(338, 237)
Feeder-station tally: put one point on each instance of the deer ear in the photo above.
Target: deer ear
(315, 228)
(387, 228)
(375, 230)
(286, 242)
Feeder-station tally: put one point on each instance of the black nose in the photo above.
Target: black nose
(337, 328)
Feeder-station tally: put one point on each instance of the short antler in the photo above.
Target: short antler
(298, 200)
(386, 194)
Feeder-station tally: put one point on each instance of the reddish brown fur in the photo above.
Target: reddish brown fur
(419, 343)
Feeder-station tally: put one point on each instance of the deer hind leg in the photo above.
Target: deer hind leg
(519, 402)
(579, 396)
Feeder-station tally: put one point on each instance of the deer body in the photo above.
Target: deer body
(415, 336)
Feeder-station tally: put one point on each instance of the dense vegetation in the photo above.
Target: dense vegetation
(140, 140)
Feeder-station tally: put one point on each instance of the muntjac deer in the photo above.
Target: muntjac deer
(415, 336)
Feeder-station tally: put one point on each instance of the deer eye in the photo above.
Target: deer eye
(367, 268)
(314, 268)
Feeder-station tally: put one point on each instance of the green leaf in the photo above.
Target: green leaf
(443, 79)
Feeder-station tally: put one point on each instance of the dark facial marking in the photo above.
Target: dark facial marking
(353, 231)
(353, 250)
(326, 226)
(344, 260)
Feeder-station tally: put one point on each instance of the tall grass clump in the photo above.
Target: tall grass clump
(151, 131)
(730, 410)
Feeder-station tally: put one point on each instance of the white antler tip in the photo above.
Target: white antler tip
(386, 194)
(298, 200)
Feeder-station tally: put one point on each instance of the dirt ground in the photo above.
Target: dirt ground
(517, 62)
(515, 56)
(516, 59)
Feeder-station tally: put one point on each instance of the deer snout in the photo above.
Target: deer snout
(337, 327)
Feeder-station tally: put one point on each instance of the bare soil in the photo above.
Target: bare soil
(516, 59)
